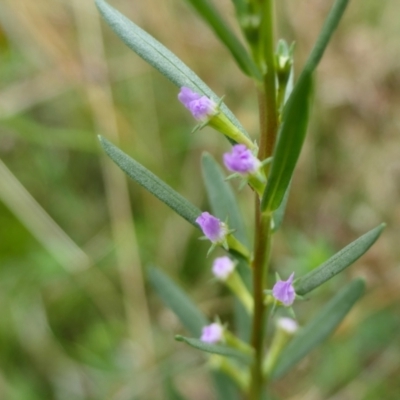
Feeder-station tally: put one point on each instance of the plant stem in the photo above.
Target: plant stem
(263, 233)
(269, 127)
(261, 256)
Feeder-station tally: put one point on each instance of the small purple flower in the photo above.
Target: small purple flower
(200, 106)
(284, 291)
(223, 267)
(212, 227)
(288, 325)
(186, 95)
(212, 333)
(241, 160)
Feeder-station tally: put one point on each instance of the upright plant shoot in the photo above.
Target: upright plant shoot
(266, 164)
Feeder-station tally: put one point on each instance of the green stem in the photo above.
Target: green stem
(262, 245)
(270, 127)
(261, 256)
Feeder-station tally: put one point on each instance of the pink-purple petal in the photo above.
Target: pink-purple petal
(200, 106)
(241, 160)
(212, 333)
(284, 291)
(211, 226)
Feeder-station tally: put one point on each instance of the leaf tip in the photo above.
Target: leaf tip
(360, 282)
(179, 338)
(205, 155)
(99, 3)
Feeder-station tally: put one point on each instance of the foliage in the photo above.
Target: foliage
(75, 320)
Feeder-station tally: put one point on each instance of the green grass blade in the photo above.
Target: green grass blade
(338, 262)
(219, 349)
(153, 52)
(222, 200)
(319, 328)
(211, 15)
(28, 129)
(289, 144)
(177, 300)
(152, 183)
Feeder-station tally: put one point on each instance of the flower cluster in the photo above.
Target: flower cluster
(240, 160)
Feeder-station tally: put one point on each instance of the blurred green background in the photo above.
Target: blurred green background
(77, 319)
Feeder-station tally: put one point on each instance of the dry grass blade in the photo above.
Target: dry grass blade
(67, 253)
(103, 111)
(40, 224)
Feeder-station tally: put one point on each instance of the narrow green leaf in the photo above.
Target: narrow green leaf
(279, 213)
(219, 349)
(223, 205)
(153, 52)
(295, 117)
(152, 183)
(172, 393)
(162, 191)
(25, 127)
(289, 144)
(319, 328)
(224, 386)
(211, 15)
(242, 320)
(222, 200)
(177, 300)
(325, 35)
(241, 7)
(338, 262)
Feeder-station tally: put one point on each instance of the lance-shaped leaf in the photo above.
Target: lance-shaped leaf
(224, 386)
(211, 15)
(338, 262)
(328, 318)
(295, 116)
(223, 205)
(151, 182)
(177, 300)
(219, 349)
(289, 144)
(241, 7)
(171, 392)
(220, 195)
(162, 191)
(157, 55)
(279, 213)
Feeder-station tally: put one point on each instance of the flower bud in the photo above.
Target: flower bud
(206, 111)
(200, 106)
(212, 333)
(283, 291)
(223, 267)
(241, 160)
(213, 228)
